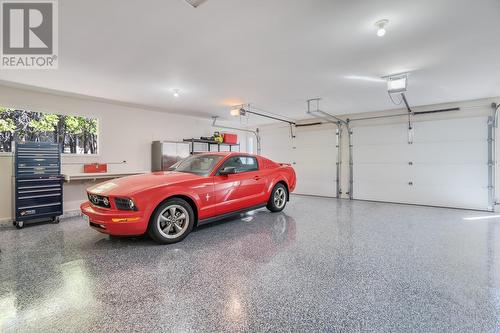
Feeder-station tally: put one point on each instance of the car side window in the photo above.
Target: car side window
(242, 164)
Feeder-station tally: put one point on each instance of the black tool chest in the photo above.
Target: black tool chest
(38, 182)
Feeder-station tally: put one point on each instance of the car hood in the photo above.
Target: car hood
(132, 184)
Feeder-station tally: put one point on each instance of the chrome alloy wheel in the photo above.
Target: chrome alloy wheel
(173, 221)
(279, 198)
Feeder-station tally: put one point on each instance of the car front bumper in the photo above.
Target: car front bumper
(114, 222)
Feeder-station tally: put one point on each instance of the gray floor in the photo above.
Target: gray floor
(322, 265)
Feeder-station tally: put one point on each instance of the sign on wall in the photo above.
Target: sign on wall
(29, 34)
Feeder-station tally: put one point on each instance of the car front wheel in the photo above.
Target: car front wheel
(171, 222)
(277, 200)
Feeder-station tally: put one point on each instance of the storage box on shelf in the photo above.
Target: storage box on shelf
(230, 138)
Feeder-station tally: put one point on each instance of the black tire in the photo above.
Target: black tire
(19, 224)
(164, 235)
(274, 204)
(56, 220)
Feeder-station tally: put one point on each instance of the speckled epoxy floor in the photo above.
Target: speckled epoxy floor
(323, 265)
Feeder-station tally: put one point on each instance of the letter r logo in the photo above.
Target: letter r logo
(27, 27)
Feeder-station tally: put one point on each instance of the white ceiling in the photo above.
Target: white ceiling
(273, 53)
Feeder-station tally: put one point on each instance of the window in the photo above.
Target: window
(77, 135)
(250, 145)
(242, 164)
(200, 165)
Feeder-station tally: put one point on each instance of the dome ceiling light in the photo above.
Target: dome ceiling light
(195, 3)
(381, 27)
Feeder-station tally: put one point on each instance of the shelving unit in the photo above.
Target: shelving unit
(209, 144)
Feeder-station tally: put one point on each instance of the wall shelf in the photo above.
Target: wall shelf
(209, 144)
(101, 175)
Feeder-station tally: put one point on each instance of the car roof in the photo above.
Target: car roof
(226, 153)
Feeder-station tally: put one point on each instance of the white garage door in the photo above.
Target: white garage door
(447, 165)
(314, 157)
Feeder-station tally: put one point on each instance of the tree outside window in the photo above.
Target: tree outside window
(77, 135)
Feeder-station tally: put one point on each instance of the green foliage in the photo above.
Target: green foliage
(7, 125)
(89, 125)
(77, 134)
(73, 125)
(47, 123)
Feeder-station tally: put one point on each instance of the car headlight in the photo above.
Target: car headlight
(125, 204)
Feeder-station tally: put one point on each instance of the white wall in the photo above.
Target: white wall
(276, 139)
(125, 134)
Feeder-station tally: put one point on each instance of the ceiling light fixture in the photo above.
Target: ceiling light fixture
(176, 93)
(237, 111)
(381, 27)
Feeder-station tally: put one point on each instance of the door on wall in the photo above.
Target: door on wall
(313, 154)
(447, 164)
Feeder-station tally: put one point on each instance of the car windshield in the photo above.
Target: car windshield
(200, 165)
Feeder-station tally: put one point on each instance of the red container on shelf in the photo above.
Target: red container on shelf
(230, 138)
(95, 168)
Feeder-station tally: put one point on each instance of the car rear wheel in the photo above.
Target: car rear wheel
(171, 222)
(277, 200)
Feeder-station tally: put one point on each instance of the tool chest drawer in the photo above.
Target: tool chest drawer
(37, 159)
(38, 197)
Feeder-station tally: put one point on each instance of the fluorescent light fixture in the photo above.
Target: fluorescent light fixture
(397, 83)
(381, 27)
(364, 78)
(477, 218)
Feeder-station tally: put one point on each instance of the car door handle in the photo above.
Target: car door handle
(256, 178)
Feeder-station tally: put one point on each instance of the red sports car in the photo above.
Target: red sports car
(199, 189)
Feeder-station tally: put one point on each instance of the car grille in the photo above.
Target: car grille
(99, 200)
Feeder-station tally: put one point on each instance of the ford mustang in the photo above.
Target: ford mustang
(197, 190)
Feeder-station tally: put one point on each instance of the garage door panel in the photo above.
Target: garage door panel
(383, 191)
(380, 173)
(308, 138)
(461, 196)
(465, 129)
(371, 135)
(450, 175)
(313, 186)
(454, 152)
(276, 144)
(449, 163)
(393, 153)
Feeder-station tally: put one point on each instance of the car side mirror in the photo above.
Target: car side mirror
(228, 171)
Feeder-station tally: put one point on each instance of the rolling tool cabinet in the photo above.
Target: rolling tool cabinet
(38, 190)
